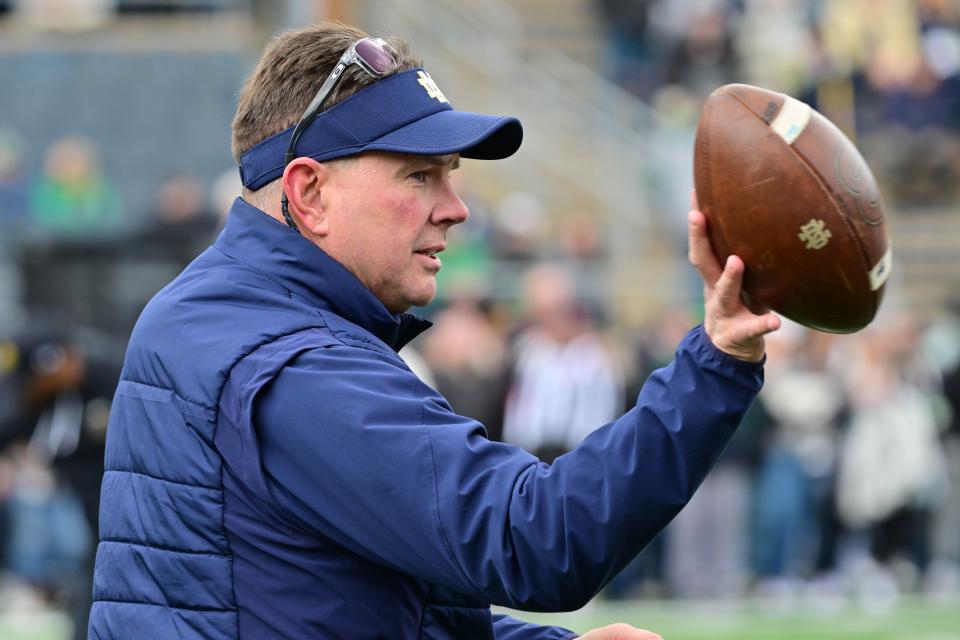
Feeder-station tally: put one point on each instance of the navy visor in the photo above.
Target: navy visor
(403, 113)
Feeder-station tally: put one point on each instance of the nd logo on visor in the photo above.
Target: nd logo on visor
(430, 86)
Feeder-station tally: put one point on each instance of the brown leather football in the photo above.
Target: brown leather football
(785, 190)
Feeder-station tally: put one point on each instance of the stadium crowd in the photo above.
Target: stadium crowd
(887, 72)
(843, 481)
(807, 492)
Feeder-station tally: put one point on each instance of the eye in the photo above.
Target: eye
(419, 176)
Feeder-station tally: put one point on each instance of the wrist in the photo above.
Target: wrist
(747, 360)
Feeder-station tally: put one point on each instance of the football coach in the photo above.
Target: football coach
(274, 469)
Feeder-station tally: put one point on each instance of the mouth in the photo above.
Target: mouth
(430, 255)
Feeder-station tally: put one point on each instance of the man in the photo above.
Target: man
(273, 468)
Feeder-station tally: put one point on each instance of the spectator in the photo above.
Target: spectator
(468, 357)
(564, 383)
(942, 341)
(635, 56)
(13, 216)
(181, 224)
(705, 57)
(776, 45)
(794, 487)
(73, 198)
(892, 470)
(13, 185)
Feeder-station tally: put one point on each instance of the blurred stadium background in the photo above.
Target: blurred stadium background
(835, 513)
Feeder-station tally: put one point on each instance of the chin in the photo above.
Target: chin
(423, 300)
(402, 306)
(403, 298)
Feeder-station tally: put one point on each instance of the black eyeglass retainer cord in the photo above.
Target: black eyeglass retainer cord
(288, 158)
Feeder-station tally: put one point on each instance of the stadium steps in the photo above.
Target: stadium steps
(926, 259)
(586, 141)
(572, 27)
(589, 147)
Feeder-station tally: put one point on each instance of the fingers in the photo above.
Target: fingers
(728, 285)
(760, 326)
(732, 327)
(701, 253)
(735, 323)
(620, 631)
(729, 298)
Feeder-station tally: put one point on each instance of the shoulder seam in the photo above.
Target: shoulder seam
(364, 342)
(436, 511)
(252, 268)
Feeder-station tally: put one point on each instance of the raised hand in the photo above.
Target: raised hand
(732, 327)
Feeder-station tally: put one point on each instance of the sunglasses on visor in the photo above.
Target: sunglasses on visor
(371, 55)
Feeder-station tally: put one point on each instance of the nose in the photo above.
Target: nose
(451, 210)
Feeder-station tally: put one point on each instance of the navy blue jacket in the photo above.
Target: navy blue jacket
(274, 469)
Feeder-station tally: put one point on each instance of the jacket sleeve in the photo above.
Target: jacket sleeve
(507, 628)
(357, 449)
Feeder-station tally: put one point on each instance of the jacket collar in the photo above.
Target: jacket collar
(254, 238)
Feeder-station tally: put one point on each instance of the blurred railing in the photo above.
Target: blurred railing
(578, 126)
(589, 146)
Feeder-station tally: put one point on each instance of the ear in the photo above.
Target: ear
(303, 181)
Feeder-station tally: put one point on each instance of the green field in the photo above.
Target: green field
(34, 625)
(910, 620)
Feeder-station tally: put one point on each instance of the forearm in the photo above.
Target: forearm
(571, 526)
